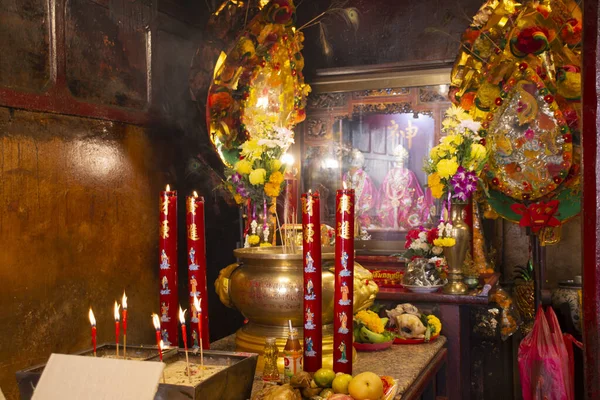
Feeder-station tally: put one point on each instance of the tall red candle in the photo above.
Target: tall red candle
(313, 298)
(344, 281)
(196, 246)
(167, 247)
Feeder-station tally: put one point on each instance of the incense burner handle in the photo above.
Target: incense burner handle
(222, 284)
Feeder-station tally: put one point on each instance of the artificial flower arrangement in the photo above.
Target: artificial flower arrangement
(427, 266)
(456, 163)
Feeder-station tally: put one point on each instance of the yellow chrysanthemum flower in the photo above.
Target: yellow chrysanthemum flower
(478, 152)
(238, 199)
(371, 320)
(275, 165)
(253, 240)
(444, 242)
(243, 167)
(435, 323)
(257, 177)
(435, 185)
(276, 177)
(456, 112)
(447, 168)
(251, 149)
(272, 189)
(265, 244)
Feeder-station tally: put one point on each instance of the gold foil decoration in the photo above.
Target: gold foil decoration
(309, 233)
(345, 205)
(193, 232)
(343, 230)
(479, 261)
(409, 133)
(164, 229)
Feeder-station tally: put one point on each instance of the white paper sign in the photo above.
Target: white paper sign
(68, 377)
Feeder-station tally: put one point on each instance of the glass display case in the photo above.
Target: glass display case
(372, 130)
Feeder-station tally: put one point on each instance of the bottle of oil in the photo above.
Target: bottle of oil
(270, 371)
(292, 355)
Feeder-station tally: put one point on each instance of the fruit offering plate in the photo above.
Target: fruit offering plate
(423, 289)
(373, 346)
(415, 341)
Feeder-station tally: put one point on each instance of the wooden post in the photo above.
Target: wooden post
(591, 191)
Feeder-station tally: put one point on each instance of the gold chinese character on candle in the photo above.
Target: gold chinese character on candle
(344, 230)
(345, 204)
(307, 205)
(191, 205)
(164, 229)
(164, 206)
(193, 232)
(309, 233)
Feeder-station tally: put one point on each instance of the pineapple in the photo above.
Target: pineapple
(525, 295)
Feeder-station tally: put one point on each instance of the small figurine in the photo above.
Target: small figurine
(193, 266)
(309, 320)
(345, 271)
(164, 260)
(310, 295)
(342, 349)
(194, 286)
(343, 322)
(344, 301)
(165, 286)
(164, 313)
(309, 263)
(309, 352)
(165, 337)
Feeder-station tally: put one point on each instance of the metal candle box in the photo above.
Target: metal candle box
(232, 383)
(27, 379)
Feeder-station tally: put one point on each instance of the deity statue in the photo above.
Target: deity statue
(403, 204)
(364, 191)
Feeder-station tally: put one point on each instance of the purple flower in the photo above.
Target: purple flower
(236, 178)
(241, 190)
(464, 184)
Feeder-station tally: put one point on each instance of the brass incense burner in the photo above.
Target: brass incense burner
(267, 288)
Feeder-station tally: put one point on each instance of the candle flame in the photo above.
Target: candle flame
(197, 303)
(161, 345)
(195, 194)
(168, 189)
(124, 301)
(117, 314)
(344, 185)
(156, 322)
(92, 318)
(182, 315)
(309, 192)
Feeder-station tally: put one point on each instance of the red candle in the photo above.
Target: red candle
(196, 246)
(344, 281)
(167, 247)
(93, 322)
(183, 330)
(117, 332)
(159, 342)
(198, 307)
(311, 250)
(124, 303)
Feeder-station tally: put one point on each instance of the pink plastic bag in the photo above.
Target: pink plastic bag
(545, 364)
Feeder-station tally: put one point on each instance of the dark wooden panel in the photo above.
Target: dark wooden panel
(24, 44)
(106, 51)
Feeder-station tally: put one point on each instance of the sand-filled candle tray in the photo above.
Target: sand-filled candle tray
(226, 376)
(27, 379)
